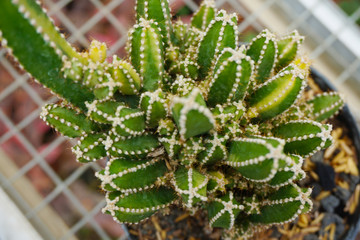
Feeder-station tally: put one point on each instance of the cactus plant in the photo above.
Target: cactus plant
(190, 118)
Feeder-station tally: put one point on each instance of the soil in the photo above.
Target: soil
(177, 225)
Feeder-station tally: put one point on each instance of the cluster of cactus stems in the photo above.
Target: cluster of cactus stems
(190, 118)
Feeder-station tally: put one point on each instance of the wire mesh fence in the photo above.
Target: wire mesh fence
(61, 197)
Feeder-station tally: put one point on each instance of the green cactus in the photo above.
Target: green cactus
(192, 119)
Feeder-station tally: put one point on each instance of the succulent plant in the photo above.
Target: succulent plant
(191, 118)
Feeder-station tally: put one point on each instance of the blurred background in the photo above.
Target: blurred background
(60, 197)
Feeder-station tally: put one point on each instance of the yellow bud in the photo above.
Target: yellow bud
(97, 51)
(252, 113)
(220, 179)
(303, 63)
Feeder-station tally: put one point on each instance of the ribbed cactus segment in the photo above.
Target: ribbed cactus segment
(203, 16)
(251, 205)
(231, 77)
(131, 147)
(288, 48)
(92, 70)
(284, 205)
(304, 137)
(191, 115)
(221, 33)
(127, 175)
(227, 113)
(256, 159)
(189, 68)
(138, 206)
(182, 86)
(215, 149)
(191, 185)
(40, 55)
(223, 211)
(172, 56)
(233, 130)
(102, 111)
(180, 32)
(325, 105)
(67, 121)
(288, 171)
(217, 182)
(166, 127)
(193, 38)
(146, 53)
(38, 17)
(73, 69)
(190, 151)
(171, 143)
(125, 77)
(157, 10)
(128, 121)
(90, 148)
(277, 94)
(154, 106)
(94, 74)
(131, 101)
(263, 50)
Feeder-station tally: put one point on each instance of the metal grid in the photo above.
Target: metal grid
(106, 13)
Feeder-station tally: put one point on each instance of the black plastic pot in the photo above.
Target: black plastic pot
(347, 118)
